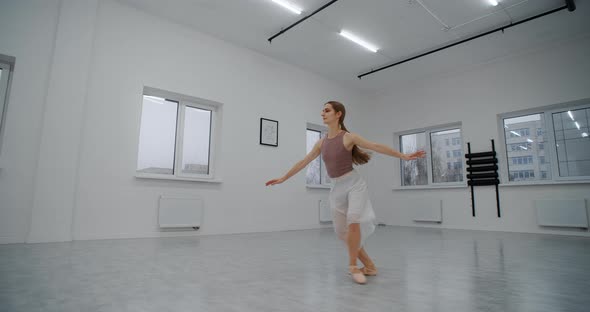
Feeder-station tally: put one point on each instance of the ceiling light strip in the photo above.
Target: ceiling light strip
(288, 6)
(301, 20)
(567, 6)
(358, 41)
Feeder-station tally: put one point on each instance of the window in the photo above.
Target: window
(524, 160)
(313, 176)
(516, 133)
(523, 175)
(520, 152)
(5, 73)
(413, 172)
(177, 136)
(522, 146)
(435, 169)
(560, 148)
(316, 173)
(572, 142)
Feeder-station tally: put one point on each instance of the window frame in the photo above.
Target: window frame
(323, 130)
(427, 132)
(185, 101)
(549, 143)
(7, 64)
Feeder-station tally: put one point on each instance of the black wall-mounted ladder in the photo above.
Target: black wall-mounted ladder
(483, 170)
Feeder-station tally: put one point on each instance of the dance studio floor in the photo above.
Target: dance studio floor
(420, 269)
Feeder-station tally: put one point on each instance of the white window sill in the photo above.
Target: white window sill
(315, 186)
(175, 178)
(510, 184)
(428, 187)
(541, 183)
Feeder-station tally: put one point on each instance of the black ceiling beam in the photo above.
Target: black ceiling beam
(301, 20)
(570, 5)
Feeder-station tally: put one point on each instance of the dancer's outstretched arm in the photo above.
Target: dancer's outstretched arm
(315, 152)
(383, 149)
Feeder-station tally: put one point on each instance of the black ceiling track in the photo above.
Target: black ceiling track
(301, 20)
(570, 5)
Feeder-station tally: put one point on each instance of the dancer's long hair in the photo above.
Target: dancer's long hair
(359, 157)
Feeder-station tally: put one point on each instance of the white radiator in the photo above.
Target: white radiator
(427, 210)
(562, 213)
(178, 212)
(324, 211)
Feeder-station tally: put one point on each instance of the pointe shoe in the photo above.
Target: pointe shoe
(357, 276)
(369, 271)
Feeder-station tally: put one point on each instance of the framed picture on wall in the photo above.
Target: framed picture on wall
(269, 132)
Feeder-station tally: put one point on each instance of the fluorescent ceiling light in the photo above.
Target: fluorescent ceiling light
(288, 6)
(570, 114)
(515, 133)
(493, 2)
(524, 148)
(584, 135)
(358, 41)
(529, 140)
(577, 125)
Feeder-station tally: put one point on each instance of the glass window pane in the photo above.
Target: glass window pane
(525, 146)
(3, 88)
(196, 141)
(414, 172)
(440, 172)
(572, 142)
(1, 99)
(157, 136)
(313, 175)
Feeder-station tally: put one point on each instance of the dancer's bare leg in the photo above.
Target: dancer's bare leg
(353, 241)
(365, 259)
(369, 268)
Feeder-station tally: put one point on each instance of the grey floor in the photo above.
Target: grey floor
(420, 270)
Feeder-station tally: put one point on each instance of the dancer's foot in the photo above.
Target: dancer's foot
(357, 276)
(369, 270)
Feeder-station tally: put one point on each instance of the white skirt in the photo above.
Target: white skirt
(349, 203)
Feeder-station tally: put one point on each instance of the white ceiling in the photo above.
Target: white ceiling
(400, 28)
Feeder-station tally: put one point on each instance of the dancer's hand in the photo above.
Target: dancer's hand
(275, 181)
(416, 155)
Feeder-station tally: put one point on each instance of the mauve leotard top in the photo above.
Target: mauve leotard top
(337, 158)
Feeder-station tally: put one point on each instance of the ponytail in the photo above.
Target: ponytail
(359, 156)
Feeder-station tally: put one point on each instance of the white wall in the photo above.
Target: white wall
(55, 182)
(27, 32)
(70, 146)
(554, 73)
(83, 155)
